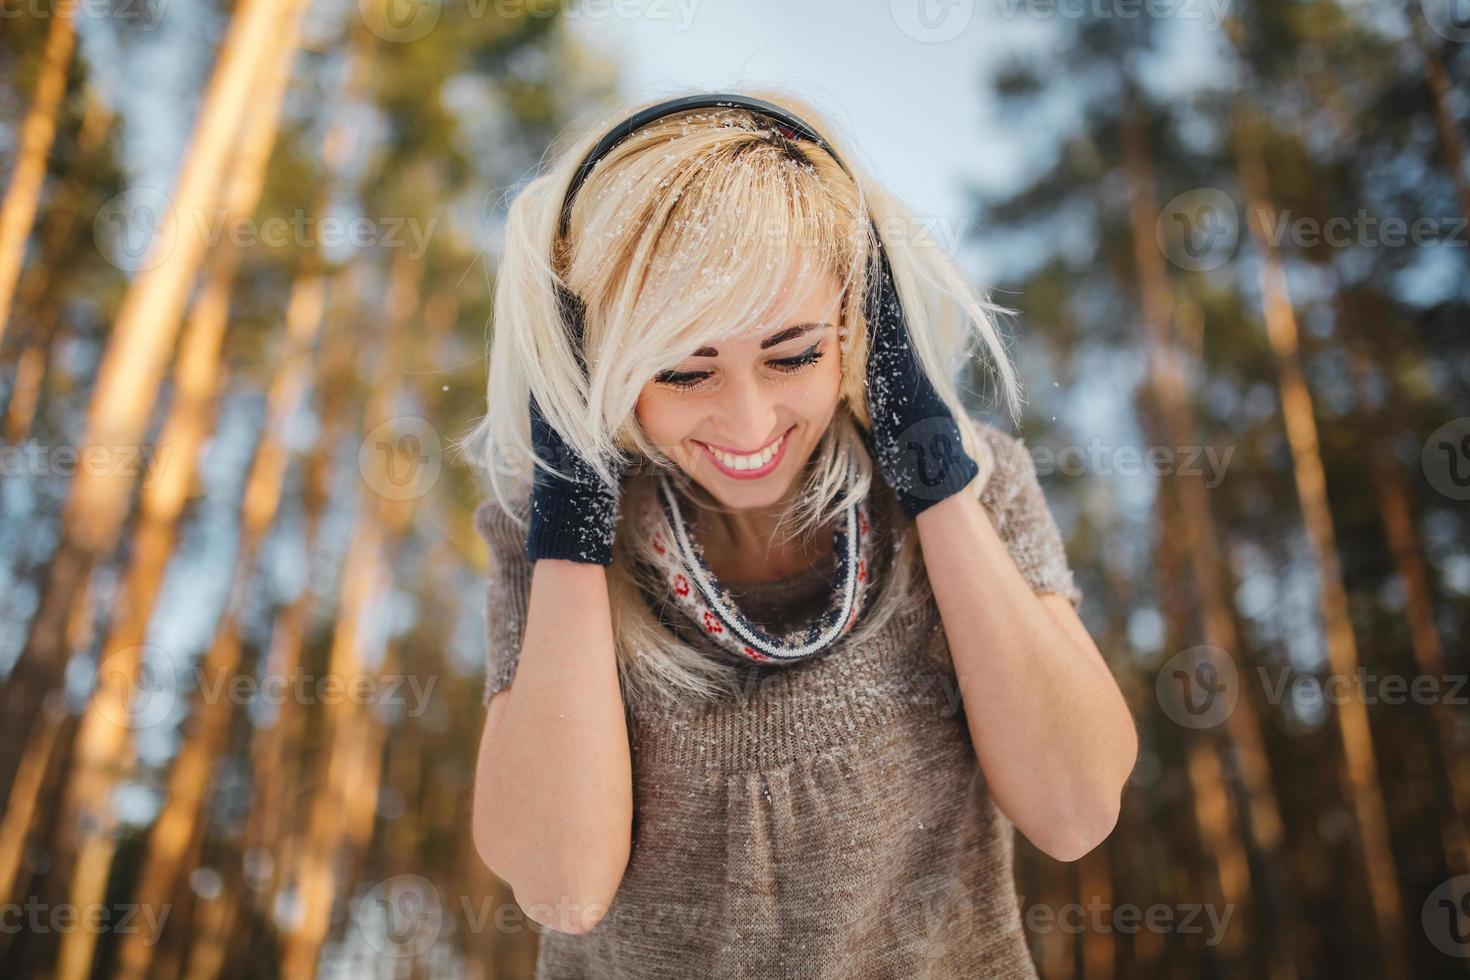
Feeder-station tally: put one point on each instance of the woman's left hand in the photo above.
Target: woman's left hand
(914, 437)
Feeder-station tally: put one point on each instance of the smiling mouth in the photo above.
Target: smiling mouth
(748, 466)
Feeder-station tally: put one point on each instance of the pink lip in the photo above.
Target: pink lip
(749, 474)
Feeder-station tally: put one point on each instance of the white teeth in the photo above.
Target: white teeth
(753, 461)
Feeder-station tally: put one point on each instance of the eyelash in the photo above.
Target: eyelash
(790, 365)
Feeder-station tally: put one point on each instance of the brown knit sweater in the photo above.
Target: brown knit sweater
(834, 821)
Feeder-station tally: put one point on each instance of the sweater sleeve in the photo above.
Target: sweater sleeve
(507, 588)
(1023, 520)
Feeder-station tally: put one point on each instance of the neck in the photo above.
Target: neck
(747, 546)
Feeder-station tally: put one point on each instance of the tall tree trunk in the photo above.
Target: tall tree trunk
(53, 750)
(104, 756)
(315, 876)
(138, 349)
(1351, 717)
(1242, 730)
(37, 133)
(189, 778)
(1218, 838)
(37, 306)
(19, 820)
(352, 752)
(1396, 511)
(276, 769)
(1224, 874)
(1441, 92)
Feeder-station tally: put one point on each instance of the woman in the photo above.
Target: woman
(781, 643)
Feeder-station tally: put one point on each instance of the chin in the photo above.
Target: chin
(759, 494)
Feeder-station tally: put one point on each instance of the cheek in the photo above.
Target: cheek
(661, 421)
(823, 392)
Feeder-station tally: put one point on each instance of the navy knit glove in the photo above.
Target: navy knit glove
(572, 515)
(914, 439)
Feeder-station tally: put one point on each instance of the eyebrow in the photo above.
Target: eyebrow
(775, 339)
(791, 333)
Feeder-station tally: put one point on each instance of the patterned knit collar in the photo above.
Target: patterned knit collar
(693, 588)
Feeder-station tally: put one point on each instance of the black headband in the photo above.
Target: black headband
(788, 125)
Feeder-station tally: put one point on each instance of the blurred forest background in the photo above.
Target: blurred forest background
(241, 597)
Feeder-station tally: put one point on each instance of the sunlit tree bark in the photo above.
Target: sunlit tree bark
(189, 777)
(1351, 715)
(1202, 543)
(37, 306)
(1396, 512)
(351, 763)
(104, 753)
(20, 817)
(37, 133)
(139, 346)
(1441, 94)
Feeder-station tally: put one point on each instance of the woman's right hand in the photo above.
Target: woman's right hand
(573, 512)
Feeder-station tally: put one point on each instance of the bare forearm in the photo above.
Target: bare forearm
(1050, 727)
(553, 799)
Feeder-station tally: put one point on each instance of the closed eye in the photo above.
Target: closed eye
(681, 379)
(809, 356)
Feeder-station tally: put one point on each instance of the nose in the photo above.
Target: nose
(746, 414)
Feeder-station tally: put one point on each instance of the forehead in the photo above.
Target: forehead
(806, 296)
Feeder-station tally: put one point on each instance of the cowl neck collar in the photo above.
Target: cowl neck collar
(692, 587)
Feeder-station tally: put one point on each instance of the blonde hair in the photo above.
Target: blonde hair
(686, 232)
